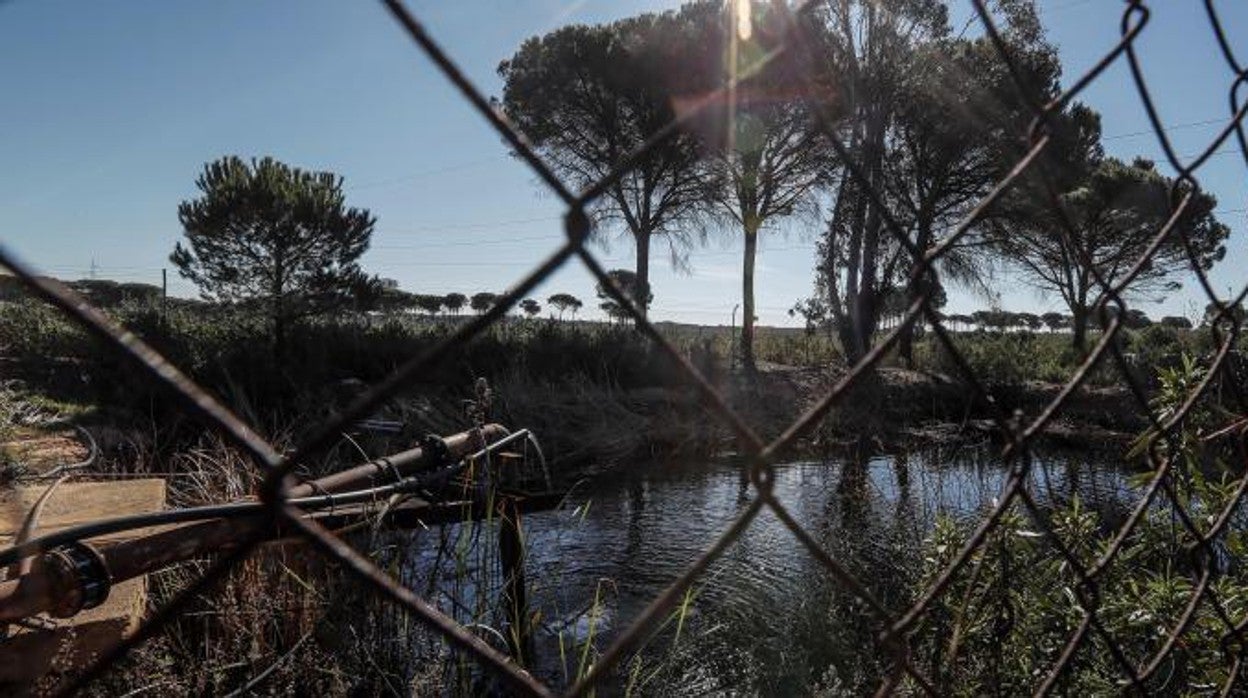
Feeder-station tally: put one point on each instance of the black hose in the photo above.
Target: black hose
(102, 527)
(434, 480)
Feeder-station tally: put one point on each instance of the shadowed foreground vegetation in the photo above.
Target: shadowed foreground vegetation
(600, 396)
(620, 395)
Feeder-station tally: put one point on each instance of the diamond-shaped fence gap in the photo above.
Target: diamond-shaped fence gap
(761, 615)
(663, 604)
(1241, 139)
(393, 637)
(1137, 75)
(1128, 34)
(713, 400)
(1069, 537)
(989, 522)
(1175, 628)
(891, 650)
(1187, 171)
(981, 615)
(1095, 669)
(466, 615)
(248, 627)
(419, 365)
(1057, 673)
(1085, 78)
(1215, 370)
(1236, 459)
(132, 349)
(155, 621)
(923, 267)
(1234, 126)
(923, 263)
(478, 101)
(364, 570)
(1111, 291)
(856, 375)
(770, 606)
(1226, 365)
(1163, 626)
(1090, 588)
(1219, 32)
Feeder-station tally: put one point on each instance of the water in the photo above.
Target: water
(766, 618)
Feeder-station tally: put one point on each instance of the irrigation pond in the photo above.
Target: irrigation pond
(766, 618)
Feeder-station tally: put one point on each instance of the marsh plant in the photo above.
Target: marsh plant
(1009, 614)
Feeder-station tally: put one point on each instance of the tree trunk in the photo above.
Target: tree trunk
(865, 317)
(279, 306)
(1079, 329)
(906, 343)
(641, 291)
(861, 286)
(914, 287)
(747, 299)
(279, 336)
(853, 283)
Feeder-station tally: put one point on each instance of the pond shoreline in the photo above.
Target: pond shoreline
(889, 410)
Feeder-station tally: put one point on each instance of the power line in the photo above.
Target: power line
(436, 227)
(425, 173)
(1068, 5)
(471, 243)
(1167, 129)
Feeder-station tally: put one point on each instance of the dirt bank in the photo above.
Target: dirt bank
(900, 406)
(589, 428)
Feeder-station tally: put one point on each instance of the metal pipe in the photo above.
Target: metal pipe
(52, 580)
(118, 524)
(392, 468)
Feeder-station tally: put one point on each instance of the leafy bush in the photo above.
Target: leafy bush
(1005, 619)
(1003, 358)
(230, 353)
(33, 331)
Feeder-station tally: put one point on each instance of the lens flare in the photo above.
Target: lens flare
(745, 23)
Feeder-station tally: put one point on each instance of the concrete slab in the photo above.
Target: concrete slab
(32, 660)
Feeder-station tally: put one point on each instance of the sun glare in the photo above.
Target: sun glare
(745, 23)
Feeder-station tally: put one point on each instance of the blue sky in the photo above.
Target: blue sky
(111, 109)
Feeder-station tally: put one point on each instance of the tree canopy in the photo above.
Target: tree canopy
(589, 96)
(767, 159)
(930, 122)
(530, 307)
(630, 286)
(1099, 227)
(1178, 322)
(454, 302)
(427, 303)
(278, 237)
(482, 301)
(565, 302)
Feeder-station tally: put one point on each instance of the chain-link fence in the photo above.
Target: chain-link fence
(895, 627)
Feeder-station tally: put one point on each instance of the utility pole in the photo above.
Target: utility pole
(164, 296)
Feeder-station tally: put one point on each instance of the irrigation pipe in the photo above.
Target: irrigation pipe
(216, 511)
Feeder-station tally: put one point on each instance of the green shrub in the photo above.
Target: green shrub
(33, 331)
(1004, 620)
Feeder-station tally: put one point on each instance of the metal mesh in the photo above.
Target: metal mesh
(895, 630)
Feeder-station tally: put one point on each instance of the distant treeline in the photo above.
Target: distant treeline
(108, 293)
(104, 293)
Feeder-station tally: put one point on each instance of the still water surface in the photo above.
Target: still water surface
(763, 619)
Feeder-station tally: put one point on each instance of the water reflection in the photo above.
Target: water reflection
(766, 618)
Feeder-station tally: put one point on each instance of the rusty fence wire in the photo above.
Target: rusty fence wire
(895, 627)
